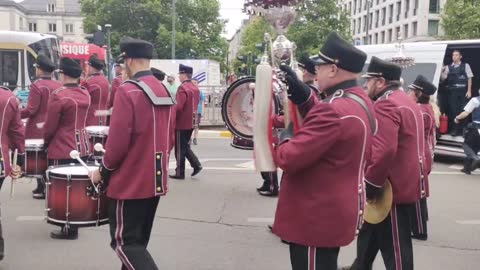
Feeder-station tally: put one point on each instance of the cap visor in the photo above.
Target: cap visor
(367, 76)
(318, 61)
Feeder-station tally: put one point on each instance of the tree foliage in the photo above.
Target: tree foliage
(198, 28)
(315, 20)
(461, 20)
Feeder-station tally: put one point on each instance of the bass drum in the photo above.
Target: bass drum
(237, 109)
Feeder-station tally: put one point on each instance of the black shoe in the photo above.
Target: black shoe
(421, 237)
(269, 193)
(197, 170)
(475, 164)
(194, 141)
(178, 177)
(466, 171)
(39, 195)
(264, 187)
(72, 234)
(38, 189)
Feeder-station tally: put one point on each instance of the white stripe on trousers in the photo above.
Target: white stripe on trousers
(118, 236)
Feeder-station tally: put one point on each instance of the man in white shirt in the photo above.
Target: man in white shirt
(471, 144)
(458, 76)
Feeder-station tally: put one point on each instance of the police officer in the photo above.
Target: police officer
(422, 89)
(119, 77)
(98, 87)
(459, 88)
(65, 126)
(471, 144)
(320, 205)
(397, 155)
(188, 96)
(12, 137)
(137, 152)
(309, 74)
(36, 109)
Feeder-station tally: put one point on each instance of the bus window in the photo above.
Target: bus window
(30, 68)
(9, 68)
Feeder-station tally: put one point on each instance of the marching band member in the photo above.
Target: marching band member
(65, 126)
(397, 155)
(320, 205)
(119, 78)
(12, 137)
(157, 73)
(140, 140)
(309, 75)
(421, 90)
(37, 105)
(98, 88)
(188, 96)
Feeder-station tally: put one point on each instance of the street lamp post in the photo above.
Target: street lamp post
(108, 28)
(174, 15)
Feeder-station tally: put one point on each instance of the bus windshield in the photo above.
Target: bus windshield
(48, 47)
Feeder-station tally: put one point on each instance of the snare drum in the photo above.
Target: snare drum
(67, 201)
(98, 134)
(242, 143)
(35, 158)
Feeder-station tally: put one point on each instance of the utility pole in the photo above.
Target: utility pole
(108, 28)
(174, 16)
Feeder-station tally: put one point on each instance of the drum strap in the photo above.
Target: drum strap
(362, 103)
(157, 101)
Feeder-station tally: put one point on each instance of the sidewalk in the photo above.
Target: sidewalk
(214, 134)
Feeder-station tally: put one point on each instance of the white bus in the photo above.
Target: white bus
(18, 51)
(429, 58)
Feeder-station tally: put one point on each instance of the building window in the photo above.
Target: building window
(434, 6)
(390, 19)
(376, 38)
(382, 37)
(32, 27)
(354, 24)
(390, 35)
(52, 27)
(397, 33)
(359, 6)
(415, 8)
(377, 18)
(359, 24)
(370, 21)
(433, 27)
(51, 7)
(407, 8)
(69, 28)
(399, 10)
(384, 16)
(405, 31)
(354, 7)
(414, 28)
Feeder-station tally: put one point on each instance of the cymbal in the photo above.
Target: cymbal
(377, 211)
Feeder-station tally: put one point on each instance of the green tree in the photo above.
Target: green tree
(315, 20)
(253, 34)
(198, 31)
(461, 20)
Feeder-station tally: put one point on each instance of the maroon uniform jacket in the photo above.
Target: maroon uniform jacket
(65, 124)
(139, 142)
(98, 87)
(187, 99)
(322, 191)
(115, 84)
(430, 141)
(398, 147)
(12, 130)
(36, 110)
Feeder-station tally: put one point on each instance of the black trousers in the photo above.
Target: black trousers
(130, 228)
(456, 101)
(471, 145)
(183, 150)
(2, 241)
(418, 219)
(270, 179)
(392, 237)
(313, 258)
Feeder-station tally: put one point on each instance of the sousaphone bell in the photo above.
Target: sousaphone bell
(378, 210)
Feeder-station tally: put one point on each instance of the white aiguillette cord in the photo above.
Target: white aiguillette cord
(74, 154)
(12, 180)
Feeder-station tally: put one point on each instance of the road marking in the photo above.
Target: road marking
(469, 222)
(268, 220)
(453, 173)
(248, 165)
(455, 167)
(30, 218)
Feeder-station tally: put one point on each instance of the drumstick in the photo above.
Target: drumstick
(40, 125)
(99, 147)
(12, 182)
(103, 113)
(74, 154)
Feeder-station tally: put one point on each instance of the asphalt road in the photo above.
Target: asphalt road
(217, 221)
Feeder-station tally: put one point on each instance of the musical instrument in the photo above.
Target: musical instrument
(98, 134)
(378, 210)
(242, 143)
(35, 158)
(67, 200)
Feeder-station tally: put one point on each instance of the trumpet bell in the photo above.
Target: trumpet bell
(378, 211)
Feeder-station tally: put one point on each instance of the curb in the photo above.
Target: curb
(214, 134)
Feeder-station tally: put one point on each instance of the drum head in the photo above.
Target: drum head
(237, 108)
(75, 171)
(34, 143)
(97, 130)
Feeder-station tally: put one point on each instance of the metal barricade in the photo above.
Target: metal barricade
(212, 109)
